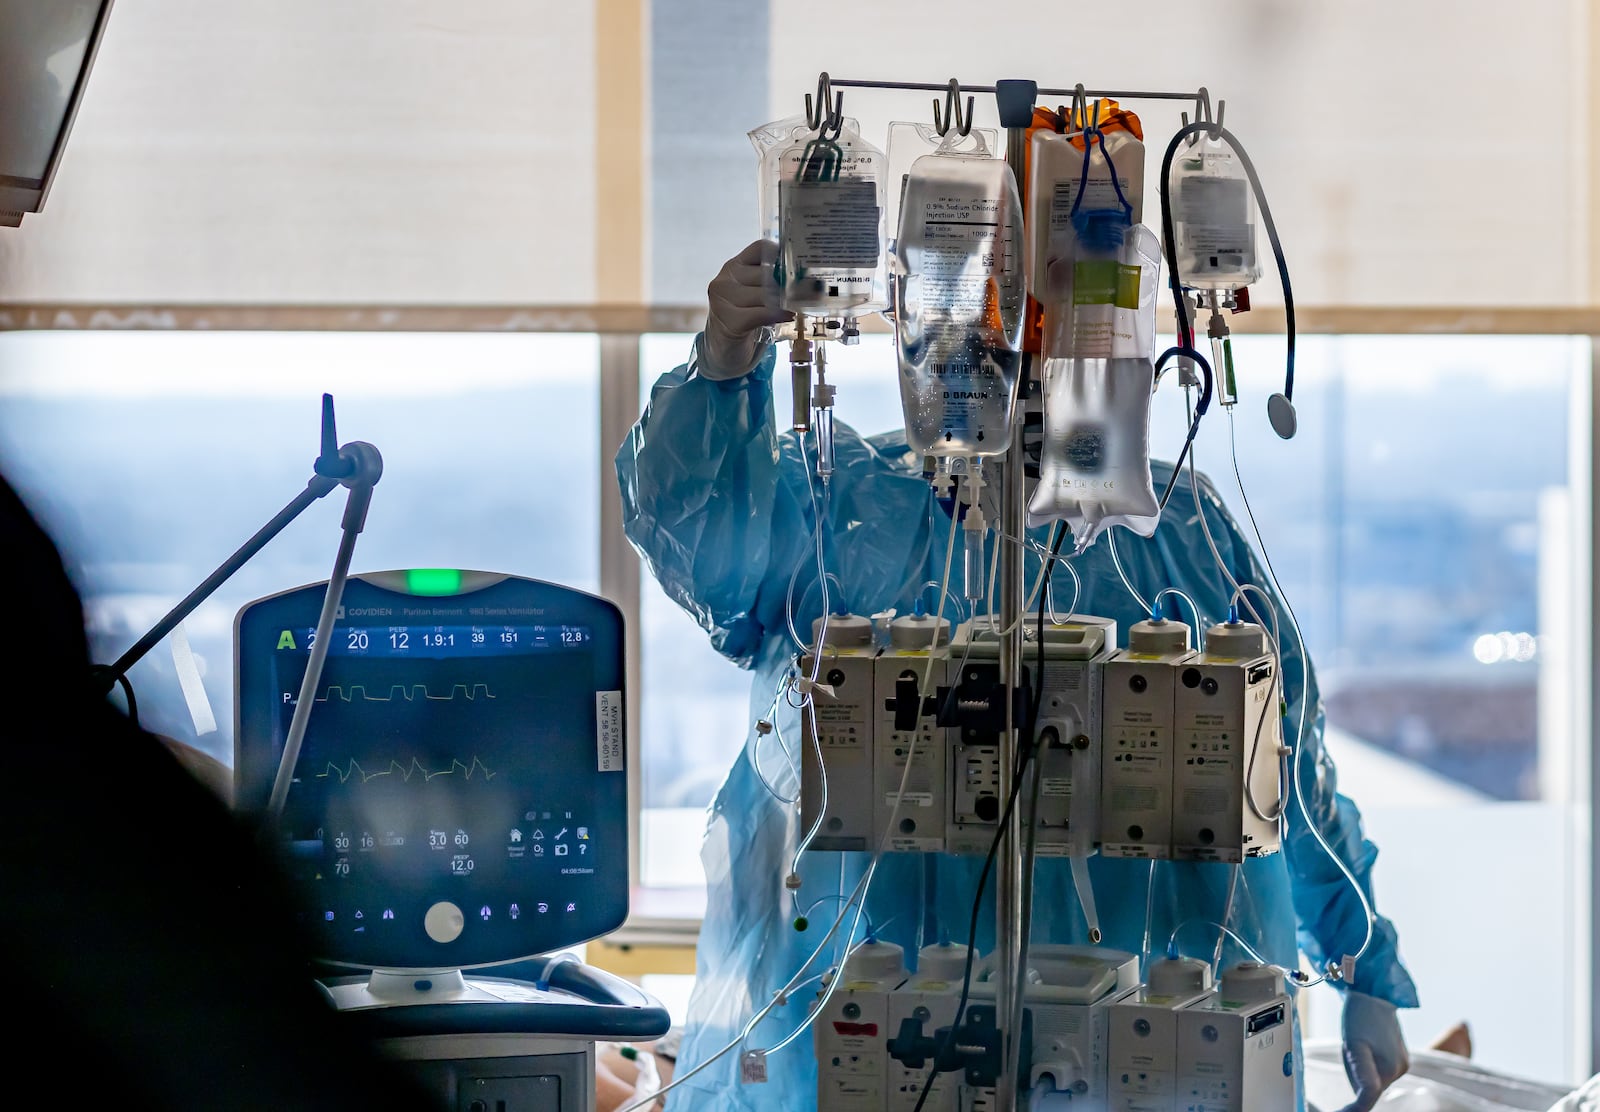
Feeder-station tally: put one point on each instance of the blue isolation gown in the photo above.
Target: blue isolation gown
(716, 500)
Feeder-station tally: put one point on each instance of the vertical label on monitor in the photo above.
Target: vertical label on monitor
(609, 743)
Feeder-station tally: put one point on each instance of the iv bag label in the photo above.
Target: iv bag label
(830, 225)
(1084, 447)
(609, 738)
(1214, 214)
(1105, 282)
(1098, 193)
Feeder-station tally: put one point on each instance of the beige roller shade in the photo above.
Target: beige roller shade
(306, 152)
(1416, 153)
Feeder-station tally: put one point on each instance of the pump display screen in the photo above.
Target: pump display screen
(460, 796)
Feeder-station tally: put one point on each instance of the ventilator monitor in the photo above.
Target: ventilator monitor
(461, 796)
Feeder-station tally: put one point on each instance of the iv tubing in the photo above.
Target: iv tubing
(1199, 619)
(1033, 596)
(1274, 813)
(1299, 748)
(816, 661)
(1227, 916)
(1077, 593)
(744, 1032)
(1149, 915)
(889, 825)
(1126, 582)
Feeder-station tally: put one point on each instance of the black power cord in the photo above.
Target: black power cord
(1019, 768)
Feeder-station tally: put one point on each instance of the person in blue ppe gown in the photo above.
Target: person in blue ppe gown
(724, 509)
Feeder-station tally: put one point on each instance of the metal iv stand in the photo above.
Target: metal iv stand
(357, 466)
(1014, 885)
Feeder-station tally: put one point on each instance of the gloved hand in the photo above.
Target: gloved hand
(744, 308)
(1374, 1052)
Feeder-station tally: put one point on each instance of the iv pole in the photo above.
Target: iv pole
(1015, 100)
(1013, 904)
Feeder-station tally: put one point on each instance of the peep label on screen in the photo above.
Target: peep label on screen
(608, 737)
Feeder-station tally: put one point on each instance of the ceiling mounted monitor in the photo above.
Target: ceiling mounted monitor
(46, 50)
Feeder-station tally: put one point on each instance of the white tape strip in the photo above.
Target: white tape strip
(194, 689)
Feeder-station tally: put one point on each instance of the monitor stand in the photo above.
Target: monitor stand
(500, 1044)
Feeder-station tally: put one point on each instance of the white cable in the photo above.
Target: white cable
(863, 888)
(1299, 747)
(1300, 728)
(1199, 618)
(1149, 914)
(956, 602)
(1274, 813)
(1077, 594)
(1272, 577)
(809, 706)
(1227, 916)
(1126, 582)
(782, 995)
(1033, 596)
(894, 812)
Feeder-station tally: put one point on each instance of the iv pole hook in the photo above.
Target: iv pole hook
(952, 115)
(1202, 114)
(825, 114)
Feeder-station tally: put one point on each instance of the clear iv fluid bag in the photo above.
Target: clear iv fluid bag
(960, 287)
(1214, 218)
(822, 201)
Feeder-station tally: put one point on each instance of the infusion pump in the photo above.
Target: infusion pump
(1095, 1035)
(1151, 750)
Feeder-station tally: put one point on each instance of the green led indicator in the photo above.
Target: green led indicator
(433, 581)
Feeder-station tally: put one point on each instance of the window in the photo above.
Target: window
(696, 706)
(1421, 526)
(1425, 523)
(152, 456)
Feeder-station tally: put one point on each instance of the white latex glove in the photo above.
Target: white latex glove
(744, 308)
(1374, 1052)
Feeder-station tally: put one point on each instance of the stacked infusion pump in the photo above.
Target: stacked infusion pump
(1153, 751)
(1094, 1037)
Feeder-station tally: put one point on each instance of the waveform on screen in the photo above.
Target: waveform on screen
(408, 692)
(406, 772)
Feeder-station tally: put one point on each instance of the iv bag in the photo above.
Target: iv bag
(1214, 218)
(959, 293)
(909, 141)
(1094, 465)
(822, 200)
(1061, 186)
